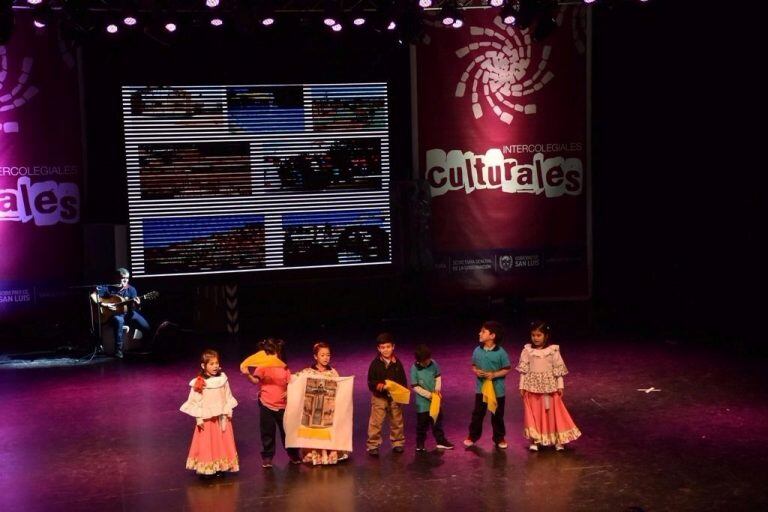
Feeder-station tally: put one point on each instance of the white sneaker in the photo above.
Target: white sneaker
(533, 447)
(559, 447)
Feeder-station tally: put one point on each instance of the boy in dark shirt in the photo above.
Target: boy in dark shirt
(385, 367)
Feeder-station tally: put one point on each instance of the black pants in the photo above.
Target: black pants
(268, 421)
(423, 421)
(497, 420)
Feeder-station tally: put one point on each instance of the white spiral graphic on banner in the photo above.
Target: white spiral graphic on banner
(503, 71)
(20, 91)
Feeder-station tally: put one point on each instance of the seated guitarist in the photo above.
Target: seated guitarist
(130, 316)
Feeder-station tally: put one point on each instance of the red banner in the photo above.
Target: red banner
(503, 147)
(40, 165)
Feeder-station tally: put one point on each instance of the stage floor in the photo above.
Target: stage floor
(110, 436)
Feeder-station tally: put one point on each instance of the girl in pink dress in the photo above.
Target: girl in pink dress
(211, 402)
(541, 367)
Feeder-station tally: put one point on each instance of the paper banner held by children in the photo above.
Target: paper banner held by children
(319, 413)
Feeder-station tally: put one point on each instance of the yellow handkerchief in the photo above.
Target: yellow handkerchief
(489, 395)
(434, 406)
(314, 433)
(262, 360)
(398, 393)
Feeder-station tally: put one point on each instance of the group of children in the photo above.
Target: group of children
(541, 367)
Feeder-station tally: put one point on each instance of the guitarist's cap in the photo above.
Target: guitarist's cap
(123, 272)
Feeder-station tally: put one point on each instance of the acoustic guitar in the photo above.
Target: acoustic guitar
(116, 305)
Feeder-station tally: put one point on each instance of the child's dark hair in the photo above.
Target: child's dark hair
(317, 346)
(541, 325)
(422, 353)
(496, 328)
(273, 346)
(384, 337)
(205, 357)
(316, 350)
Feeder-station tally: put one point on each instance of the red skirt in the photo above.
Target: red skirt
(548, 424)
(212, 450)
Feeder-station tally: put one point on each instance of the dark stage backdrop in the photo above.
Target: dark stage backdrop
(46, 191)
(40, 169)
(502, 131)
(295, 52)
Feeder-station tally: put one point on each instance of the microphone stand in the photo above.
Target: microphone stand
(93, 303)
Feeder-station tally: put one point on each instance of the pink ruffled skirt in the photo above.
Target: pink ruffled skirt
(546, 420)
(212, 450)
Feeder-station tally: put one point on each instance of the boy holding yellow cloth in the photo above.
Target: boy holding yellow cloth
(427, 383)
(386, 367)
(490, 364)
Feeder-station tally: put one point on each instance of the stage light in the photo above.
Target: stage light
(389, 16)
(458, 21)
(112, 28)
(331, 14)
(130, 13)
(170, 26)
(41, 15)
(425, 3)
(337, 27)
(495, 3)
(448, 14)
(526, 13)
(212, 3)
(34, 2)
(589, 1)
(217, 22)
(509, 14)
(265, 13)
(357, 16)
